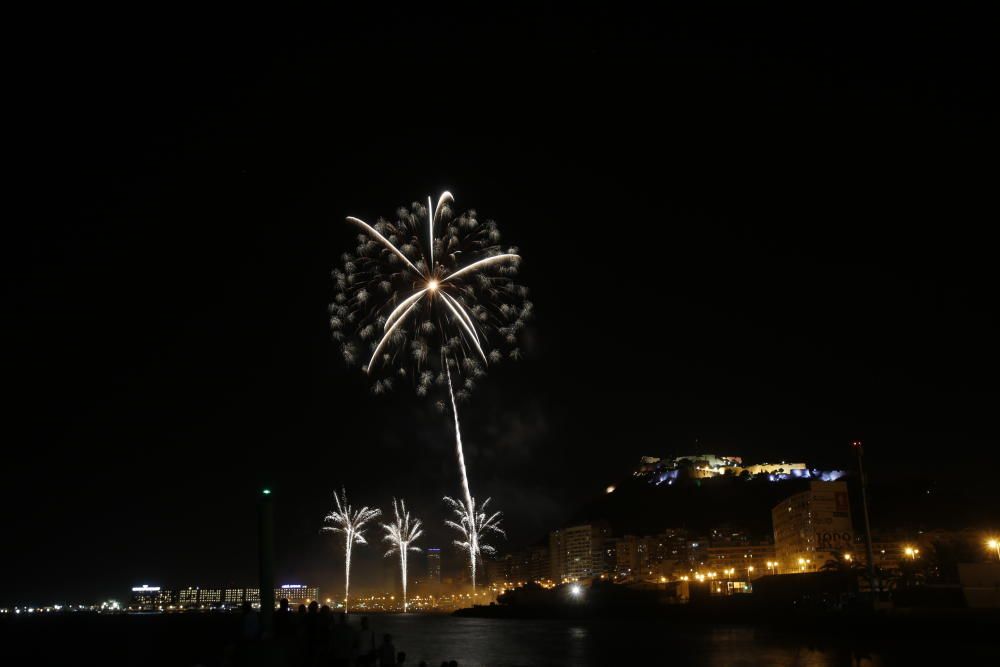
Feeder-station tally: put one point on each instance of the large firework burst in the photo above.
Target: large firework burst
(426, 292)
(401, 534)
(351, 524)
(430, 298)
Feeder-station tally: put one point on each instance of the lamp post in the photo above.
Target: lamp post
(994, 544)
(864, 508)
(265, 542)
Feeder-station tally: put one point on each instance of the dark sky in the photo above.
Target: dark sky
(755, 233)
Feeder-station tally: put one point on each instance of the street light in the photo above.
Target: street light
(872, 581)
(911, 552)
(994, 543)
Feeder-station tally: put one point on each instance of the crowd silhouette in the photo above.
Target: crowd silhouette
(314, 636)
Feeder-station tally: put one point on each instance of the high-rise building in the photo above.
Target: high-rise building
(628, 555)
(578, 552)
(434, 565)
(297, 594)
(188, 597)
(235, 596)
(150, 598)
(194, 597)
(532, 564)
(811, 525)
(499, 570)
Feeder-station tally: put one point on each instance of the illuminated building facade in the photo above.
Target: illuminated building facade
(209, 597)
(636, 558)
(810, 526)
(578, 552)
(297, 593)
(194, 597)
(434, 565)
(500, 570)
(150, 598)
(532, 564)
(188, 597)
(705, 466)
(746, 561)
(234, 596)
(154, 598)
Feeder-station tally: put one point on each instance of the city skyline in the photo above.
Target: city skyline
(739, 238)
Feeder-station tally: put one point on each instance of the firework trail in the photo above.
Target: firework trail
(430, 299)
(474, 527)
(351, 524)
(401, 535)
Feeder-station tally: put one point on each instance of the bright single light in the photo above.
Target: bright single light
(575, 590)
(610, 489)
(432, 284)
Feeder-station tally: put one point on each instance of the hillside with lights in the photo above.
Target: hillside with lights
(705, 492)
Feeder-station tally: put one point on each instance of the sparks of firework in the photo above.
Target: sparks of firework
(432, 301)
(401, 535)
(474, 525)
(351, 524)
(429, 288)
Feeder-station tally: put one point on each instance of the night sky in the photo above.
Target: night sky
(763, 234)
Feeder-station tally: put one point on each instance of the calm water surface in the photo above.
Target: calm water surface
(507, 643)
(202, 640)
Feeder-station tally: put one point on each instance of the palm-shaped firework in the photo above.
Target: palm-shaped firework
(474, 526)
(401, 535)
(351, 524)
(429, 299)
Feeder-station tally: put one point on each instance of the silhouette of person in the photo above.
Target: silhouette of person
(366, 644)
(400, 658)
(342, 642)
(324, 632)
(251, 625)
(281, 620)
(387, 651)
(312, 632)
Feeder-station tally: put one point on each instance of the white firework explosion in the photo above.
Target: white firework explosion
(401, 535)
(431, 299)
(351, 524)
(474, 526)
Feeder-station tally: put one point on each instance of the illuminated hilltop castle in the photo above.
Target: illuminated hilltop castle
(702, 466)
